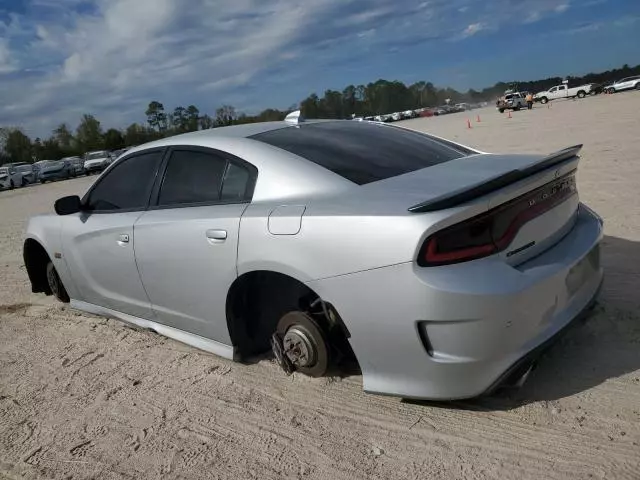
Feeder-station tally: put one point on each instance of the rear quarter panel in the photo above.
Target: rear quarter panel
(334, 239)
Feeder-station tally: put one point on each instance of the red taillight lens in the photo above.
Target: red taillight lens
(494, 230)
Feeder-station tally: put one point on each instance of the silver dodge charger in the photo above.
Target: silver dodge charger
(440, 271)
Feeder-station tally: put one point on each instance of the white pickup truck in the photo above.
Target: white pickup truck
(563, 91)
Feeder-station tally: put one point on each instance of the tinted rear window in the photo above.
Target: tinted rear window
(363, 152)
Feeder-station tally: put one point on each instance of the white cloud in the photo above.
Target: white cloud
(6, 64)
(563, 7)
(111, 57)
(473, 29)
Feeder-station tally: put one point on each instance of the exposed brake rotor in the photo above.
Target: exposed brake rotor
(281, 357)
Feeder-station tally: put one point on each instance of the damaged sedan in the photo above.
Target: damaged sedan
(441, 270)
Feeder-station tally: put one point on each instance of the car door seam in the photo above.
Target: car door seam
(238, 237)
(135, 259)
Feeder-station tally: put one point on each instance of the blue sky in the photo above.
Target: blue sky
(62, 58)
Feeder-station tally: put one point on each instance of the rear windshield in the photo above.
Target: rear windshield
(363, 152)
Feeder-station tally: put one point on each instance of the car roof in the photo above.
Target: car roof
(283, 174)
(216, 137)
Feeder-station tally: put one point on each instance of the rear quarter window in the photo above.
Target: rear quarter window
(363, 152)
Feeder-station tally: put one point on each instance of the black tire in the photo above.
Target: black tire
(501, 110)
(11, 185)
(544, 100)
(42, 181)
(638, 86)
(55, 284)
(581, 94)
(516, 109)
(302, 322)
(86, 174)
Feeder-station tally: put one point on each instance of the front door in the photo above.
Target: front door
(99, 253)
(563, 91)
(186, 247)
(98, 243)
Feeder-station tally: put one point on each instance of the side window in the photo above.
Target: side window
(236, 182)
(553, 89)
(127, 185)
(192, 177)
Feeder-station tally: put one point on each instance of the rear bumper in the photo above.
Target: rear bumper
(522, 366)
(456, 332)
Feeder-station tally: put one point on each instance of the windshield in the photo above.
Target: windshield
(96, 155)
(24, 168)
(43, 163)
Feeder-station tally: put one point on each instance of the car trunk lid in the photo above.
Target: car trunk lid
(536, 192)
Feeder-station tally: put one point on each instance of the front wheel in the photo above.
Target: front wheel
(55, 284)
(24, 182)
(544, 100)
(516, 109)
(581, 94)
(501, 110)
(12, 185)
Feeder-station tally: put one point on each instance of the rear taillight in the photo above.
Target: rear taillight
(494, 230)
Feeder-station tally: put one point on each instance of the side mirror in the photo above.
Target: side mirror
(68, 205)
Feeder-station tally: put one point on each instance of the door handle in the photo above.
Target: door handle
(123, 238)
(216, 236)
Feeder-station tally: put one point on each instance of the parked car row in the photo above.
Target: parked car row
(21, 174)
(419, 112)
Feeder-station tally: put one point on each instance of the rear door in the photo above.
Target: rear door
(98, 243)
(186, 245)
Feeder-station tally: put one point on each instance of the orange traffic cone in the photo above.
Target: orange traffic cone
(478, 119)
(509, 114)
(468, 123)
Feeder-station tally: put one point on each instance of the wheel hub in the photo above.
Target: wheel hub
(298, 347)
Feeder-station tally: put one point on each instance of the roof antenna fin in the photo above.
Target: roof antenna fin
(294, 118)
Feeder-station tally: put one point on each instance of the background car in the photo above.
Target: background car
(95, 162)
(265, 267)
(49, 170)
(28, 173)
(625, 84)
(10, 177)
(76, 165)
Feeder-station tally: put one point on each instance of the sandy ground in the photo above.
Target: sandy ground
(83, 397)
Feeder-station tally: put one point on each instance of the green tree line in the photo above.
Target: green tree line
(380, 97)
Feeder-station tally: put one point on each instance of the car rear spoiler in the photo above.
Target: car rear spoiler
(461, 196)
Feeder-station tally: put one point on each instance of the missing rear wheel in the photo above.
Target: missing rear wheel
(300, 344)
